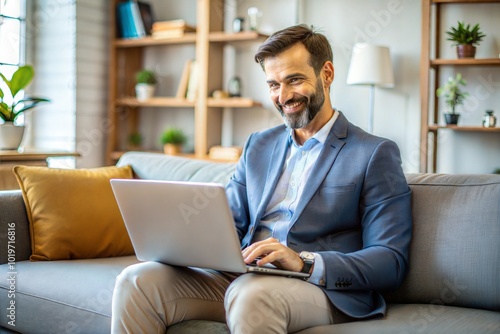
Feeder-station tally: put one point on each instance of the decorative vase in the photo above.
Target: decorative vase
(11, 136)
(172, 149)
(144, 91)
(466, 51)
(489, 119)
(451, 119)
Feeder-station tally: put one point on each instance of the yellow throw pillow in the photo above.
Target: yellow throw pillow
(73, 213)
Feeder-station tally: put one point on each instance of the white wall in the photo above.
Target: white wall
(68, 44)
(51, 41)
(92, 63)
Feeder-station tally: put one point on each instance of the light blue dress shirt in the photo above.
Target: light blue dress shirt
(276, 222)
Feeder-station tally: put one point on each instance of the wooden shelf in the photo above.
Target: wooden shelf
(149, 41)
(244, 36)
(154, 102)
(463, 128)
(33, 154)
(464, 1)
(234, 102)
(466, 62)
(188, 38)
(116, 155)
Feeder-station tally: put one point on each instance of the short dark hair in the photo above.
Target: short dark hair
(316, 44)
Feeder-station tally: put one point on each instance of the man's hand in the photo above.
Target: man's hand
(271, 251)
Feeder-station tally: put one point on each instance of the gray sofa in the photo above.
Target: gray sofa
(452, 286)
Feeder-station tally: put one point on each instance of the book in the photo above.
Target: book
(171, 29)
(121, 21)
(137, 24)
(147, 16)
(192, 86)
(183, 84)
(225, 152)
(173, 33)
(173, 25)
(129, 20)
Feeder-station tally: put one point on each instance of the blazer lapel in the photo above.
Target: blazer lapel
(323, 165)
(274, 170)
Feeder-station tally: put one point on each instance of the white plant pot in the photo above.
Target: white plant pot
(10, 136)
(144, 91)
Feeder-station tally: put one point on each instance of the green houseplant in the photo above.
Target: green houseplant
(13, 104)
(465, 38)
(145, 84)
(454, 96)
(173, 139)
(134, 141)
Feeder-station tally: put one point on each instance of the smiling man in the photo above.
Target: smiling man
(316, 195)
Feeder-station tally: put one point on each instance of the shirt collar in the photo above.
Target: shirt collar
(322, 134)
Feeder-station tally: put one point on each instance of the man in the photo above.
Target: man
(316, 195)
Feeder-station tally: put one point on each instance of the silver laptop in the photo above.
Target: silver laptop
(184, 224)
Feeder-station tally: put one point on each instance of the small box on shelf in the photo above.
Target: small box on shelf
(229, 153)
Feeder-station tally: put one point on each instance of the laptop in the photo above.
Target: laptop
(184, 224)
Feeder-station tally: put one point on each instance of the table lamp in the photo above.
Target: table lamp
(370, 65)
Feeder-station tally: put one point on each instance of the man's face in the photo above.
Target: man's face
(296, 91)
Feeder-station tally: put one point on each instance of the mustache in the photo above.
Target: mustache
(290, 101)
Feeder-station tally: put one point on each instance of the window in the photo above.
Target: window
(12, 30)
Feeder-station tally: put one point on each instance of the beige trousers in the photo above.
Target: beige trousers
(150, 296)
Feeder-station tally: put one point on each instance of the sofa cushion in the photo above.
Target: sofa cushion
(73, 213)
(416, 319)
(69, 296)
(454, 252)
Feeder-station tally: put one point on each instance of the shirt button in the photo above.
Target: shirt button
(304, 152)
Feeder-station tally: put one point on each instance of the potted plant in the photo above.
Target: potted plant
(134, 141)
(13, 103)
(173, 139)
(454, 96)
(145, 84)
(465, 38)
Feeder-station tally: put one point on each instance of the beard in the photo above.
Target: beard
(301, 119)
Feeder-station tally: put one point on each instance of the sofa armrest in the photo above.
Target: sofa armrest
(14, 222)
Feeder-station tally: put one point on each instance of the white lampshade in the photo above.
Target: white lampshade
(370, 65)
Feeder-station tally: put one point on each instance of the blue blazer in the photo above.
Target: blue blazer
(355, 211)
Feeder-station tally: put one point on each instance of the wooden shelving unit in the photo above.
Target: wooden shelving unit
(126, 58)
(428, 63)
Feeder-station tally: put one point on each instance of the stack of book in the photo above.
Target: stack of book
(171, 29)
(228, 153)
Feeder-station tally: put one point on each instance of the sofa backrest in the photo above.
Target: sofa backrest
(454, 253)
(156, 166)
